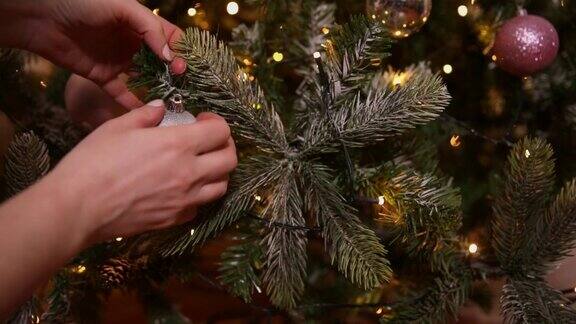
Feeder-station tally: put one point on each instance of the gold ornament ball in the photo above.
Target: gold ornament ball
(401, 17)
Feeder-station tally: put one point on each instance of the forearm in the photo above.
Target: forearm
(39, 233)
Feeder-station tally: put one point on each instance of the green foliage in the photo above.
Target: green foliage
(531, 231)
(286, 174)
(238, 267)
(215, 78)
(286, 255)
(533, 301)
(27, 161)
(355, 51)
(354, 248)
(251, 177)
(367, 119)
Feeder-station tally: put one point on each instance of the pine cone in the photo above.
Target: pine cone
(115, 272)
(27, 161)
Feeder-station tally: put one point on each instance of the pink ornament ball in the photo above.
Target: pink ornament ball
(525, 44)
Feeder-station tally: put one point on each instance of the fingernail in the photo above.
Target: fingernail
(156, 103)
(167, 53)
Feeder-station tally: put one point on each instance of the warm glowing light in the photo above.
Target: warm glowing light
(325, 30)
(43, 84)
(379, 311)
(192, 12)
(79, 269)
(381, 200)
(317, 55)
(35, 319)
(447, 68)
(156, 11)
(277, 56)
(373, 16)
(398, 33)
(192, 232)
(119, 239)
(258, 289)
(473, 248)
(455, 141)
(463, 11)
(527, 154)
(399, 79)
(494, 58)
(257, 197)
(257, 105)
(247, 61)
(232, 8)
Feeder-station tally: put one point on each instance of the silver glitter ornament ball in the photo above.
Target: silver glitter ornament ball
(525, 44)
(176, 114)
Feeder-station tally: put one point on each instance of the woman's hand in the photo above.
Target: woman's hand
(128, 176)
(93, 38)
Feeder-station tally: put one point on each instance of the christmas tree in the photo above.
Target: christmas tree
(396, 157)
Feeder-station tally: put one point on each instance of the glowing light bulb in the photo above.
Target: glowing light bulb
(462, 11)
(119, 239)
(325, 30)
(473, 248)
(43, 84)
(192, 231)
(192, 12)
(232, 8)
(399, 79)
(316, 55)
(156, 11)
(494, 58)
(381, 200)
(455, 141)
(527, 154)
(447, 68)
(379, 311)
(277, 56)
(79, 269)
(258, 198)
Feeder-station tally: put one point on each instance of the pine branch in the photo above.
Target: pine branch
(317, 17)
(216, 79)
(442, 300)
(533, 301)
(554, 239)
(528, 187)
(250, 177)
(355, 51)
(26, 313)
(364, 121)
(286, 256)
(27, 161)
(238, 268)
(58, 307)
(354, 248)
(424, 208)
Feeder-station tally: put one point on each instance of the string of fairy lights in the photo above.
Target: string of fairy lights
(455, 141)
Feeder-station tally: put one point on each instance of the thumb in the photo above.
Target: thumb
(148, 115)
(145, 23)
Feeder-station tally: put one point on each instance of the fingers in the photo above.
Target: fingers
(210, 132)
(150, 27)
(173, 35)
(218, 163)
(119, 91)
(211, 192)
(147, 116)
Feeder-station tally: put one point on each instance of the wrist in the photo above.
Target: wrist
(62, 207)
